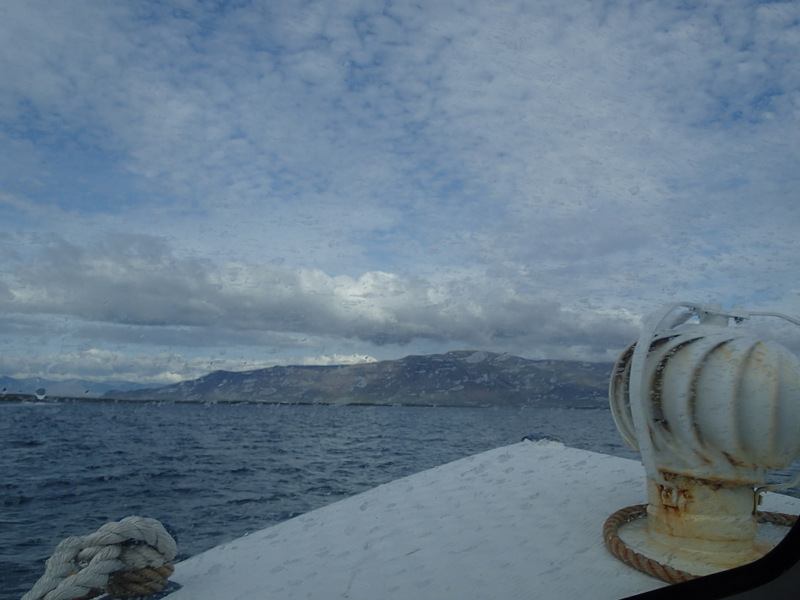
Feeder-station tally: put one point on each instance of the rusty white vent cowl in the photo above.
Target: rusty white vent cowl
(712, 409)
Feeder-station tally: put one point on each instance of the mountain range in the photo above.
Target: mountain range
(460, 378)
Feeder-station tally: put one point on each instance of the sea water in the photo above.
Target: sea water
(217, 472)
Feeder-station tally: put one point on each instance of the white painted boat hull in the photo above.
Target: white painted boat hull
(522, 521)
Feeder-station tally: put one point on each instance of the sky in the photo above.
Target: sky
(188, 186)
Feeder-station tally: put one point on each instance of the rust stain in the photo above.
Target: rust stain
(674, 499)
(733, 460)
(657, 384)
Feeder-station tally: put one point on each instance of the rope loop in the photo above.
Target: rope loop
(652, 567)
(127, 558)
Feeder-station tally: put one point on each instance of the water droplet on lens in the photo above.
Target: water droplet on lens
(41, 393)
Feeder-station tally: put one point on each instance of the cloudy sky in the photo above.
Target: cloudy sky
(194, 185)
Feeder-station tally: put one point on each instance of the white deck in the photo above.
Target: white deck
(523, 521)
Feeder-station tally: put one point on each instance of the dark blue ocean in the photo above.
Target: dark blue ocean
(216, 472)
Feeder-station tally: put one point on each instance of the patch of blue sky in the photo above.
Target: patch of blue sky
(392, 249)
(84, 181)
(761, 107)
(764, 103)
(360, 77)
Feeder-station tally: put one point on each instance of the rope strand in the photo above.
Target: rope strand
(126, 557)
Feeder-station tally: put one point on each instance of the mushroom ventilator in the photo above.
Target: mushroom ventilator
(713, 410)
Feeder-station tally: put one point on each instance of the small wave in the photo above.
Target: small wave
(25, 443)
(17, 500)
(244, 501)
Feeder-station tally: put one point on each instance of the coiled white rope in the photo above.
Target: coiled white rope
(82, 565)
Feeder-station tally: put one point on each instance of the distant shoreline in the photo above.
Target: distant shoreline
(31, 399)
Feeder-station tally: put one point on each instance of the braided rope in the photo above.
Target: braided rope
(650, 566)
(142, 582)
(81, 566)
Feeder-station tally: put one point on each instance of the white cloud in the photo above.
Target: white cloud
(338, 359)
(513, 176)
(135, 286)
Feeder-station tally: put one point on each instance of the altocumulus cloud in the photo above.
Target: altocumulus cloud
(250, 183)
